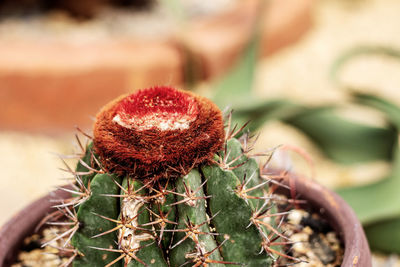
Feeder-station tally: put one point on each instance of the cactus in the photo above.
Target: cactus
(162, 184)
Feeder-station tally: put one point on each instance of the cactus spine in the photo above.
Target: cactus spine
(165, 187)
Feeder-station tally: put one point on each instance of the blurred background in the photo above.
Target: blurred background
(61, 61)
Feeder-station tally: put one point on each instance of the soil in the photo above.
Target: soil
(314, 241)
(33, 254)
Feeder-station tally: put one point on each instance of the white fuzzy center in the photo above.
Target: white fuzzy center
(162, 122)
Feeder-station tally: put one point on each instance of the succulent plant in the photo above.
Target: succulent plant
(163, 184)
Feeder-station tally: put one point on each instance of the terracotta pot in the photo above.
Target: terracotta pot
(48, 85)
(335, 210)
(23, 224)
(322, 200)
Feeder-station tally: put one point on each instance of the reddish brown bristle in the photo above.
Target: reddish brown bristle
(157, 132)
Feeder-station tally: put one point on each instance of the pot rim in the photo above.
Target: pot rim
(334, 209)
(337, 212)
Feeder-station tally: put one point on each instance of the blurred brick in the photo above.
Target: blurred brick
(50, 85)
(51, 88)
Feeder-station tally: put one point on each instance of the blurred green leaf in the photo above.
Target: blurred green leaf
(235, 89)
(259, 114)
(378, 204)
(341, 140)
(381, 200)
(344, 141)
(378, 207)
(357, 52)
(391, 111)
(384, 236)
(375, 202)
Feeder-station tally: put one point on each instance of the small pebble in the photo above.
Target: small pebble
(295, 216)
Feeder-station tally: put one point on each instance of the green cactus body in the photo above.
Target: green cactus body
(198, 214)
(137, 238)
(226, 213)
(83, 171)
(90, 224)
(164, 212)
(192, 214)
(233, 218)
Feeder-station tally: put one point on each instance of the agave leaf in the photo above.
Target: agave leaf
(235, 88)
(381, 200)
(384, 236)
(344, 141)
(377, 201)
(359, 51)
(391, 110)
(340, 139)
(378, 204)
(265, 111)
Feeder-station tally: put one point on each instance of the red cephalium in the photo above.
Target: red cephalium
(157, 132)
